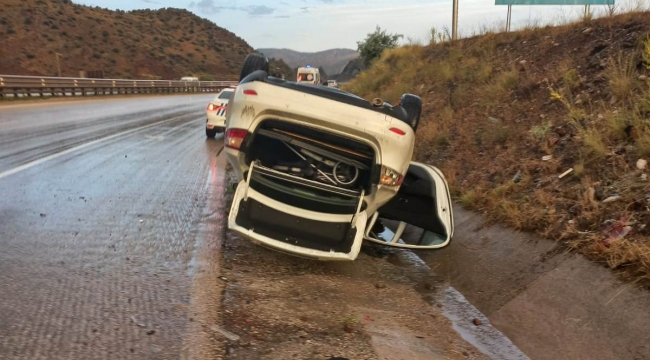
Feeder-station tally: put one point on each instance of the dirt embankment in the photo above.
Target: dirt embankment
(545, 130)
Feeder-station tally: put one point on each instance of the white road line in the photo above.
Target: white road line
(67, 151)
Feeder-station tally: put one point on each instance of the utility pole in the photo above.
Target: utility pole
(58, 63)
(454, 21)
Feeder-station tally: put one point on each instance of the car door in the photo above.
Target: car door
(420, 216)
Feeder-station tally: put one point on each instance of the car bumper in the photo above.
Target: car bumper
(214, 121)
(295, 231)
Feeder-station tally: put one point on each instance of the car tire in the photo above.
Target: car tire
(413, 106)
(210, 133)
(252, 63)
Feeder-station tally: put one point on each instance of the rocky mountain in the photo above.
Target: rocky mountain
(156, 44)
(333, 60)
(352, 69)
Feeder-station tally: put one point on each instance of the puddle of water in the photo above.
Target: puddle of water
(484, 337)
(455, 307)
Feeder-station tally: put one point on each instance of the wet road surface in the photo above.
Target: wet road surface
(97, 246)
(39, 129)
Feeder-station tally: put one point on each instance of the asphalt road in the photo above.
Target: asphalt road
(101, 209)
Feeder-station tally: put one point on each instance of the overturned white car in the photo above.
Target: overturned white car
(318, 167)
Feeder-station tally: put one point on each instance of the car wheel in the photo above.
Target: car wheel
(254, 62)
(210, 133)
(413, 106)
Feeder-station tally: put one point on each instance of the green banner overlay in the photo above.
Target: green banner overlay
(554, 2)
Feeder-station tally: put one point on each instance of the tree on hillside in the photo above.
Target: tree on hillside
(375, 43)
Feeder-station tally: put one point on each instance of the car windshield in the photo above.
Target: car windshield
(225, 95)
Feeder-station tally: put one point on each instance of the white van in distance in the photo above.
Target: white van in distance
(308, 75)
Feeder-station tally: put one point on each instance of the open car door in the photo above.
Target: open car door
(420, 215)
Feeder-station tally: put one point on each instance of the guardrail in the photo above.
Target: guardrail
(22, 86)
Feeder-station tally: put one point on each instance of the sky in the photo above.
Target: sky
(315, 25)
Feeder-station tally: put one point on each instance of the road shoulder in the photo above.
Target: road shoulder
(276, 306)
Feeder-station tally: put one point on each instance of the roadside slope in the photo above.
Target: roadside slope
(506, 114)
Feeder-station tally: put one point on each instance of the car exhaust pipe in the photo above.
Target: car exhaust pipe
(377, 102)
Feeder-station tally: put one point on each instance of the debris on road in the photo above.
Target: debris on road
(617, 231)
(43, 215)
(136, 322)
(227, 334)
(477, 322)
(547, 157)
(612, 198)
(565, 173)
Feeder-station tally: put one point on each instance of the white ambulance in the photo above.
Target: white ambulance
(309, 75)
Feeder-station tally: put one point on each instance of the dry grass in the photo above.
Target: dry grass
(494, 105)
(594, 144)
(572, 79)
(622, 76)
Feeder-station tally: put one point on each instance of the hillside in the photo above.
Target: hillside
(333, 61)
(352, 69)
(546, 129)
(162, 44)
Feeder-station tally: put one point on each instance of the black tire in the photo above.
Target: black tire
(254, 62)
(413, 106)
(210, 133)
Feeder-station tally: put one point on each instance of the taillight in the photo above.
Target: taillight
(397, 131)
(211, 107)
(390, 177)
(250, 92)
(235, 137)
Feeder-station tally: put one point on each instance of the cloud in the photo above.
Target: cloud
(255, 10)
(205, 7)
(282, 16)
(209, 7)
(150, 2)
